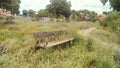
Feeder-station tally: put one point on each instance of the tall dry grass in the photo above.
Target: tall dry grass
(18, 42)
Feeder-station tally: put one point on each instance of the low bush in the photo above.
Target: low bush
(112, 23)
(110, 17)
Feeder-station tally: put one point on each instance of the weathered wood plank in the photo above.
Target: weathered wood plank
(48, 34)
(57, 43)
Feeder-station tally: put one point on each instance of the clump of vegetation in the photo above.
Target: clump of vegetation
(89, 44)
(62, 9)
(97, 50)
(19, 45)
(117, 57)
(112, 24)
(89, 60)
(114, 15)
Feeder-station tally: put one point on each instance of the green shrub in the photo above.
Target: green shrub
(110, 17)
(115, 27)
(112, 23)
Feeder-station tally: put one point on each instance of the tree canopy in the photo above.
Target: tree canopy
(12, 5)
(31, 13)
(91, 14)
(115, 4)
(59, 7)
(42, 13)
(25, 12)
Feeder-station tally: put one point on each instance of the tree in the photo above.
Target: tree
(86, 13)
(31, 13)
(75, 15)
(12, 5)
(25, 12)
(59, 7)
(115, 4)
(42, 13)
(4, 3)
(92, 16)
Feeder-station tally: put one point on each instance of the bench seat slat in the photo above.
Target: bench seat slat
(58, 43)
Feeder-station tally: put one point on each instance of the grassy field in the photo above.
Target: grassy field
(94, 49)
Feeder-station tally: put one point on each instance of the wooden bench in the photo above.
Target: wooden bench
(48, 39)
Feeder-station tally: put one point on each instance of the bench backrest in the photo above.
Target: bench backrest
(48, 34)
(60, 32)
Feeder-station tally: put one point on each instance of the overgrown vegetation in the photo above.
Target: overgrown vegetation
(12, 5)
(95, 45)
(18, 44)
(59, 7)
(112, 24)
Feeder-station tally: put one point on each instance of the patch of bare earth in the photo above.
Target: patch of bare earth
(87, 32)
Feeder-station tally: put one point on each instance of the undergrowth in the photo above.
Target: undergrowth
(18, 46)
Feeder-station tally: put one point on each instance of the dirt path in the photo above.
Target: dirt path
(87, 32)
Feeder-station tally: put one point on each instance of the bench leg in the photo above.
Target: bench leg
(46, 42)
(36, 47)
(71, 42)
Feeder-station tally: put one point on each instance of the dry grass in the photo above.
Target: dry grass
(19, 46)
